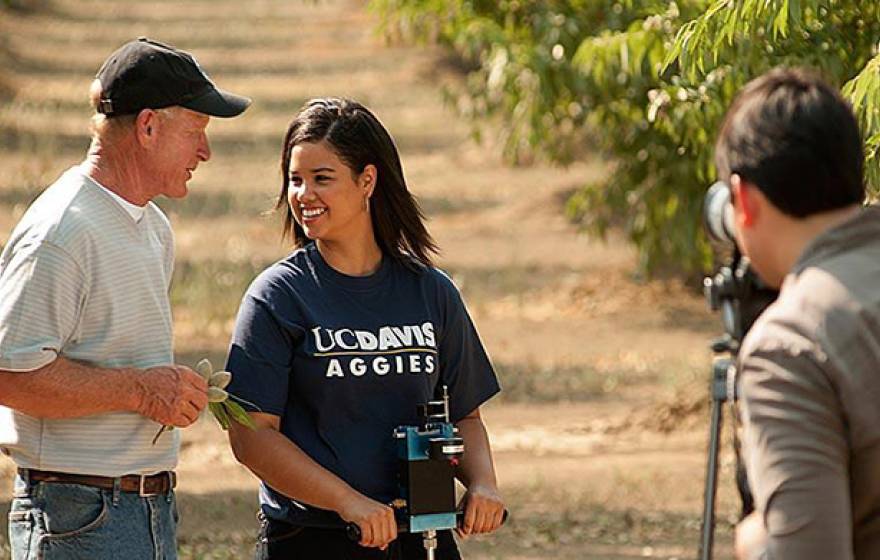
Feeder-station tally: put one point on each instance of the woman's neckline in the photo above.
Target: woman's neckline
(359, 283)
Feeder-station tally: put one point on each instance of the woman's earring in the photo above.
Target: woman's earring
(367, 195)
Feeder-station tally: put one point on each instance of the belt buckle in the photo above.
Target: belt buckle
(142, 492)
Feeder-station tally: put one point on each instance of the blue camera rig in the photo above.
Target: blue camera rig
(428, 454)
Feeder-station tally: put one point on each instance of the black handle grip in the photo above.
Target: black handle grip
(354, 534)
(459, 517)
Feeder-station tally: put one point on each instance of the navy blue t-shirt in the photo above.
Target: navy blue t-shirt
(344, 360)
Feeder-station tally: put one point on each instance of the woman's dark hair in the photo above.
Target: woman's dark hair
(359, 139)
(795, 138)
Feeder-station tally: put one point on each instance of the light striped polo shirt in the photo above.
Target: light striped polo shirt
(80, 278)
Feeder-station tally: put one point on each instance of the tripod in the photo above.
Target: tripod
(722, 388)
(741, 297)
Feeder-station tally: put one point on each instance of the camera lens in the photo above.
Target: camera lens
(718, 214)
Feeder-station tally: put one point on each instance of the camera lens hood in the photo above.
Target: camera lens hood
(718, 214)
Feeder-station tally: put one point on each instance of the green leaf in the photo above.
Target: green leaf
(780, 22)
(794, 13)
(244, 401)
(220, 414)
(239, 414)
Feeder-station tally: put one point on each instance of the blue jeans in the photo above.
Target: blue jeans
(53, 521)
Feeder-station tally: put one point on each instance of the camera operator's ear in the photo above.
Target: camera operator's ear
(746, 201)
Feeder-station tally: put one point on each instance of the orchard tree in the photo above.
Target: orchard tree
(644, 82)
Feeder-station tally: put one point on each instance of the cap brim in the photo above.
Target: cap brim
(218, 103)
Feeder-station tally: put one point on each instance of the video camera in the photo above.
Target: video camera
(740, 295)
(735, 289)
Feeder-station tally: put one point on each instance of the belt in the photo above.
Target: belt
(144, 485)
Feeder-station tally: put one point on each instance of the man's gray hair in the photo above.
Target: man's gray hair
(109, 129)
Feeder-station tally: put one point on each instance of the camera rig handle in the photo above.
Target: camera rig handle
(353, 531)
(354, 534)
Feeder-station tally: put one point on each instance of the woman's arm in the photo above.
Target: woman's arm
(484, 508)
(281, 464)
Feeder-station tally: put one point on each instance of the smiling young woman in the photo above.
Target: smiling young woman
(330, 203)
(346, 137)
(338, 343)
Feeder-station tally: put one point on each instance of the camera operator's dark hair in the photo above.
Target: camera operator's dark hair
(359, 139)
(794, 137)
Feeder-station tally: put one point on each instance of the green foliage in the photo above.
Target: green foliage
(219, 412)
(20, 5)
(837, 37)
(646, 82)
(864, 93)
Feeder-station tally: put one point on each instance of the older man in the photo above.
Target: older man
(86, 364)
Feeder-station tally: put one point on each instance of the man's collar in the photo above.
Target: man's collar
(136, 212)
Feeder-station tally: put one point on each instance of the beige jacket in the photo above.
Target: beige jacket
(810, 401)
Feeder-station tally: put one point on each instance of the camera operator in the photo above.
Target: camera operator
(809, 369)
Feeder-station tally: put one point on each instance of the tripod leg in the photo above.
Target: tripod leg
(707, 534)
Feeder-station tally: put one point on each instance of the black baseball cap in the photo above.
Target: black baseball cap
(145, 74)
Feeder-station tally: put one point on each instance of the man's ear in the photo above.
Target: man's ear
(747, 200)
(146, 127)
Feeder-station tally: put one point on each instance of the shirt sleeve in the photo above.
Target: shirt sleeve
(169, 257)
(42, 291)
(464, 365)
(261, 356)
(796, 455)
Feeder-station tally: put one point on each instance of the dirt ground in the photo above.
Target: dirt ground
(600, 432)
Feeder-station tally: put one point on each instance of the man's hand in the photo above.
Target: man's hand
(483, 510)
(751, 537)
(171, 395)
(376, 521)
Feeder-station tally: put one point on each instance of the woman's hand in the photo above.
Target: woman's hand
(483, 510)
(376, 521)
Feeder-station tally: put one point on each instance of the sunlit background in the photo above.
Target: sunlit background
(599, 433)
